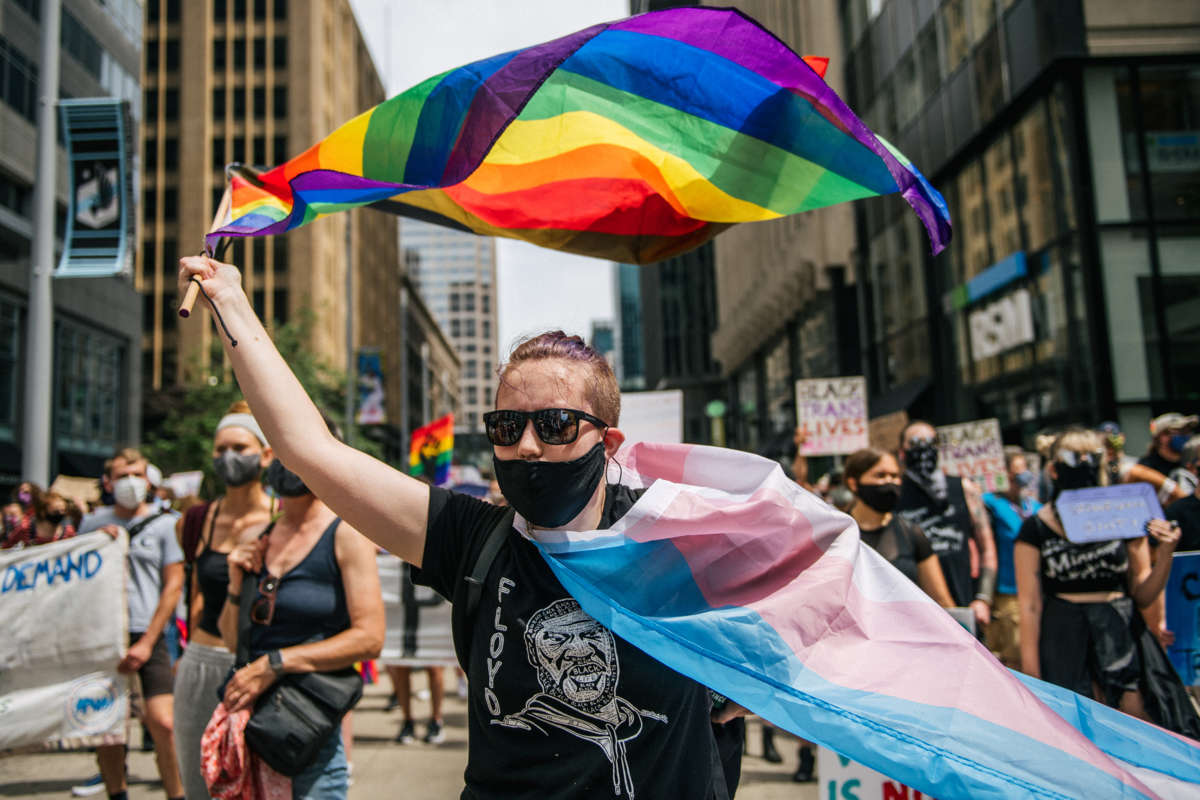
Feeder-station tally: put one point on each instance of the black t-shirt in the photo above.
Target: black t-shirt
(902, 543)
(1068, 567)
(948, 526)
(1154, 461)
(1186, 512)
(559, 707)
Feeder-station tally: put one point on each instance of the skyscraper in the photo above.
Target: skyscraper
(456, 275)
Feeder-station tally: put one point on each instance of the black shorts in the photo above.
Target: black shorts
(156, 675)
(1082, 644)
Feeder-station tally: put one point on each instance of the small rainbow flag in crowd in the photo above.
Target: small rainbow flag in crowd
(431, 449)
(631, 140)
(728, 572)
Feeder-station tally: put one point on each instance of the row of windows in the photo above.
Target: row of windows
(18, 81)
(154, 10)
(221, 52)
(258, 151)
(466, 328)
(258, 106)
(170, 203)
(16, 197)
(81, 45)
(221, 8)
(171, 57)
(170, 104)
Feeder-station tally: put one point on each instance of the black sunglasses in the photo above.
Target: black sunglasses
(263, 609)
(552, 425)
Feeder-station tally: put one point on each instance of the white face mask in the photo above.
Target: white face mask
(130, 491)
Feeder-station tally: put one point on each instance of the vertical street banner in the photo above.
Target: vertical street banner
(101, 223)
(832, 413)
(62, 632)
(418, 619)
(974, 450)
(1183, 616)
(371, 398)
(431, 449)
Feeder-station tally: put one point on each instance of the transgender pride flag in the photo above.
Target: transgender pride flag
(730, 573)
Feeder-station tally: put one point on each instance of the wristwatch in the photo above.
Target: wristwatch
(275, 660)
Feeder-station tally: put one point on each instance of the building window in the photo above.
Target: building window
(18, 81)
(280, 149)
(172, 10)
(455, 328)
(471, 368)
(280, 98)
(218, 101)
(10, 354)
(260, 10)
(171, 104)
(239, 103)
(220, 10)
(279, 46)
(454, 302)
(82, 46)
(151, 48)
(90, 389)
(472, 395)
(281, 9)
(468, 327)
(239, 150)
(219, 51)
(16, 197)
(170, 204)
(172, 55)
(485, 303)
(260, 102)
(486, 326)
(239, 54)
(260, 151)
(260, 53)
(171, 153)
(469, 301)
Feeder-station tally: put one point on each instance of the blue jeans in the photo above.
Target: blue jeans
(327, 778)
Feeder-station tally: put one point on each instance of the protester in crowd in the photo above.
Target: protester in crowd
(1186, 514)
(950, 512)
(1187, 474)
(1007, 511)
(873, 476)
(401, 676)
(583, 711)
(1043, 444)
(19, 513)
(207, 533)
(154, 585)
(56, 517)
(1168, 432)
(1123, 468)
(303, 618)
(1080, 626)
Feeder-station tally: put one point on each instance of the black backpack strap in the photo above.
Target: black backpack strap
(136, 528)
(466, 600)
(249, 595)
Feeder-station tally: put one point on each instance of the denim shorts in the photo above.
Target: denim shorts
(327, 778)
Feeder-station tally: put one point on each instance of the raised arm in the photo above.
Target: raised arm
(1027, 565)
(986, 542)
(388, 506)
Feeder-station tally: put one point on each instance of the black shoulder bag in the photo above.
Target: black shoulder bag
(295, 717)
(468, 593)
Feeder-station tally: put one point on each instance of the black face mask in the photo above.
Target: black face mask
(237, 469)
(922, 459)
(883, 497)
(550, 493)
(1081, 476)
(284, 482)
(54, 517)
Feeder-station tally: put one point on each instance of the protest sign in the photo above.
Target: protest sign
(1107, 512)
(418, 619)
(843, 779)
(974, 450)
(1183, 616)
(652, 416)
(62, 633)
(884, 432)
(832, 415)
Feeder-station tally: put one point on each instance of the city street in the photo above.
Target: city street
(381, 767)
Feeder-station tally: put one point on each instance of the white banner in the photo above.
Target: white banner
(843, 779)
(652, 416)
(974, 450)
(63, 628)
(832, 412)
(418, 619)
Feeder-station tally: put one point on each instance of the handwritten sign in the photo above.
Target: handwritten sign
(974, 450)
(843, 779)
(1107, 512)
(59, 686)
(1183, 616)
(832, 413)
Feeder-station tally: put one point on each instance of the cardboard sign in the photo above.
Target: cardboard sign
(974, 450)
(1107, 512)
(832, 413)
(1183, 616)
(842, 779)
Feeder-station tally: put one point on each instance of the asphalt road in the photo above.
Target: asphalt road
(382, 768)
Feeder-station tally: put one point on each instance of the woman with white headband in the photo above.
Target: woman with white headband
(208, 533)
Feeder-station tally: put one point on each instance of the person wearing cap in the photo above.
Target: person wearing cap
(1187, 474)
(1169, 432)
(207, 533)
(1122, 468)
(1186, 512)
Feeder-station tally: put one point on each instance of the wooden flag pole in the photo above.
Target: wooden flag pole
(189, 297)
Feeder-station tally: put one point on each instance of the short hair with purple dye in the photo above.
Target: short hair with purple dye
(602, 391)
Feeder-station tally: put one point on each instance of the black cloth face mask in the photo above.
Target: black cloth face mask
(550, 493)
(237, 469)
(922, 459)
(883, 497)
(285, 482)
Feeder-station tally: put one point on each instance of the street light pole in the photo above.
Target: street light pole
(39, 329)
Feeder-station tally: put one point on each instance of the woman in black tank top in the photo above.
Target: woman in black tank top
(1081, 626)
(207, 533)
(874, 478)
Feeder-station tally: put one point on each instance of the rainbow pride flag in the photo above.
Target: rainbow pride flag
(430, 450)
(633, 140)
(730, 573)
